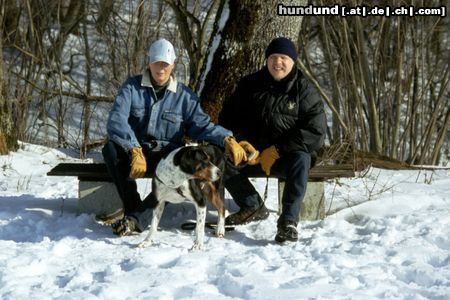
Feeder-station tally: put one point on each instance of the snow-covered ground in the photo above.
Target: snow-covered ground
(388, 238)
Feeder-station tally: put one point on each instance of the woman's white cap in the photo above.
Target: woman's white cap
(162, 50)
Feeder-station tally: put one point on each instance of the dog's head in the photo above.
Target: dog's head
(197, 162)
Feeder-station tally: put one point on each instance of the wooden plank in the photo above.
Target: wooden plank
(75, 169)
(98, 171)
(84, 171)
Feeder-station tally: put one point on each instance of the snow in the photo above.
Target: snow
(387, 238)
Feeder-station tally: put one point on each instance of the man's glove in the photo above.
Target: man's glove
(234, 150)
(252, 153)
(268, 158)
(138, 163)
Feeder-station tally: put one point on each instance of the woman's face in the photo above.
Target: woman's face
(161, 71)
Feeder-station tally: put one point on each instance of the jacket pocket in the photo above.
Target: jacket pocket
(172, 124)
(172, 117)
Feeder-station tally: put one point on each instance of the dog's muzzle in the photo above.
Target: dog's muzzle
(216, 173)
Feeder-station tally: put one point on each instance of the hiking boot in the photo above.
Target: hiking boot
(287, 231)
(247, 215)
(125, 226)
(111, 218)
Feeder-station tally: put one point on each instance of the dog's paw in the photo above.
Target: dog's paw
(220, 231)
(145, 244)
(197, 246)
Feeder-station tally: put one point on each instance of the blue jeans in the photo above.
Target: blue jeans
(292, 167)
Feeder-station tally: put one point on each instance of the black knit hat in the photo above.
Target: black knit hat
(284, 46)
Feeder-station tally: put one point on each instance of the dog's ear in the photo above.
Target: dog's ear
(185, 159)
(201, 155)
(189, 158)
(216, 155)
(177, 159)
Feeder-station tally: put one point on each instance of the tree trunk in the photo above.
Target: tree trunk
(10, 13)
(369, 90)
(105, 11)
(251, 25)
(139, 48)
(87, 112)
(193, 26)
(335, 91)
(8, 134)
(441, 139)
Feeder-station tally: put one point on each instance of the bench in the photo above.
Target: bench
(97, 194)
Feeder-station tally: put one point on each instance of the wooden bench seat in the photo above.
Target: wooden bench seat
(97, 194)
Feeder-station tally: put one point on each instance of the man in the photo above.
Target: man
(281, 114)
(150, 116)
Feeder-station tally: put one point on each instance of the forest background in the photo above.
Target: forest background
(385, 80)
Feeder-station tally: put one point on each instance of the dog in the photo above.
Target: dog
(193, 173)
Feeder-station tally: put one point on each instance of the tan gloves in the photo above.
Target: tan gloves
(244, 151)
(138, 163)
(237, 151)
(234, 150)
(268, 158)
(252, 154)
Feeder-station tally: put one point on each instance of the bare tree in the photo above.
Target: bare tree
(67, 54)
(385, 79)
(194, 20)
(8, 133)
(388, 78)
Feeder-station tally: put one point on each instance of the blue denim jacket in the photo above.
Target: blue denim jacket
(137, 118)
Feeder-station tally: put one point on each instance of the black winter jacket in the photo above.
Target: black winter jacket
(288, 114)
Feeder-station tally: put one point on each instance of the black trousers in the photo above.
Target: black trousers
(118, 163)
(293, 168)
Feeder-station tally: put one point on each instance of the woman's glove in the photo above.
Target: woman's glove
(138, 163)
(251, 153)
(268, 158)
(234, 150)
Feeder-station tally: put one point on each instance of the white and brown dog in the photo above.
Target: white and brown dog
(193, 173)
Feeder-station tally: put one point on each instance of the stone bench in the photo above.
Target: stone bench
(97, 193)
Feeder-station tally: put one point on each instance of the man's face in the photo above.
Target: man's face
(279, 65)
(161, 71)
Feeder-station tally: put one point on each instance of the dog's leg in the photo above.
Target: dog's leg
(220, 230)
(157, 213)
(217, 201)
(200, 227)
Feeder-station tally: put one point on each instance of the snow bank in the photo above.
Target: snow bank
(387, 238)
